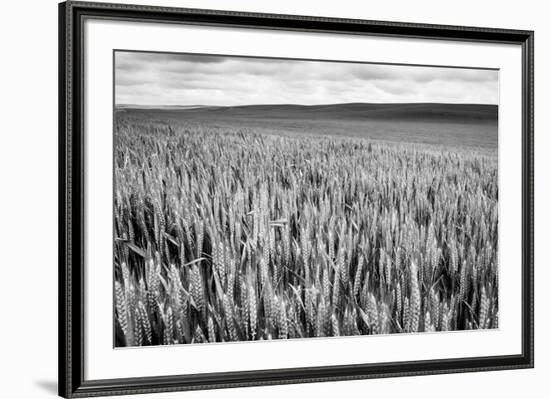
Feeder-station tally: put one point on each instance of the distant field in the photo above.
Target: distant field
(468, 126)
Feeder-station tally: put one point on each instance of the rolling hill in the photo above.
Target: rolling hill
(471, 125)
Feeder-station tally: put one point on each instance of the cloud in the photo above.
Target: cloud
(185, 79)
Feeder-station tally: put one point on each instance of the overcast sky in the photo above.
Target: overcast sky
(184, 79)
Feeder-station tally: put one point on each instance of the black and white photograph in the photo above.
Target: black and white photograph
(269, 198)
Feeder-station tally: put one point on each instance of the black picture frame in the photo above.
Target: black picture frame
(71, 200)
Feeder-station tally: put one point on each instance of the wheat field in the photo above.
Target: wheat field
(233, 235)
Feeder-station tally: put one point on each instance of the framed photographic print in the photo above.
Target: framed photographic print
(252, 199)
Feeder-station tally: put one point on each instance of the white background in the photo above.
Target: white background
(28, 171)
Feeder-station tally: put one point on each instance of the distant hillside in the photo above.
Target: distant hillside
(458, 125)
(163, 107)
(424, 112)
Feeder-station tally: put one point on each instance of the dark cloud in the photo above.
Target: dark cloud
(161, 78)
(169, 57)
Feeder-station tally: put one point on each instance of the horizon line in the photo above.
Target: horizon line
(297, 104)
